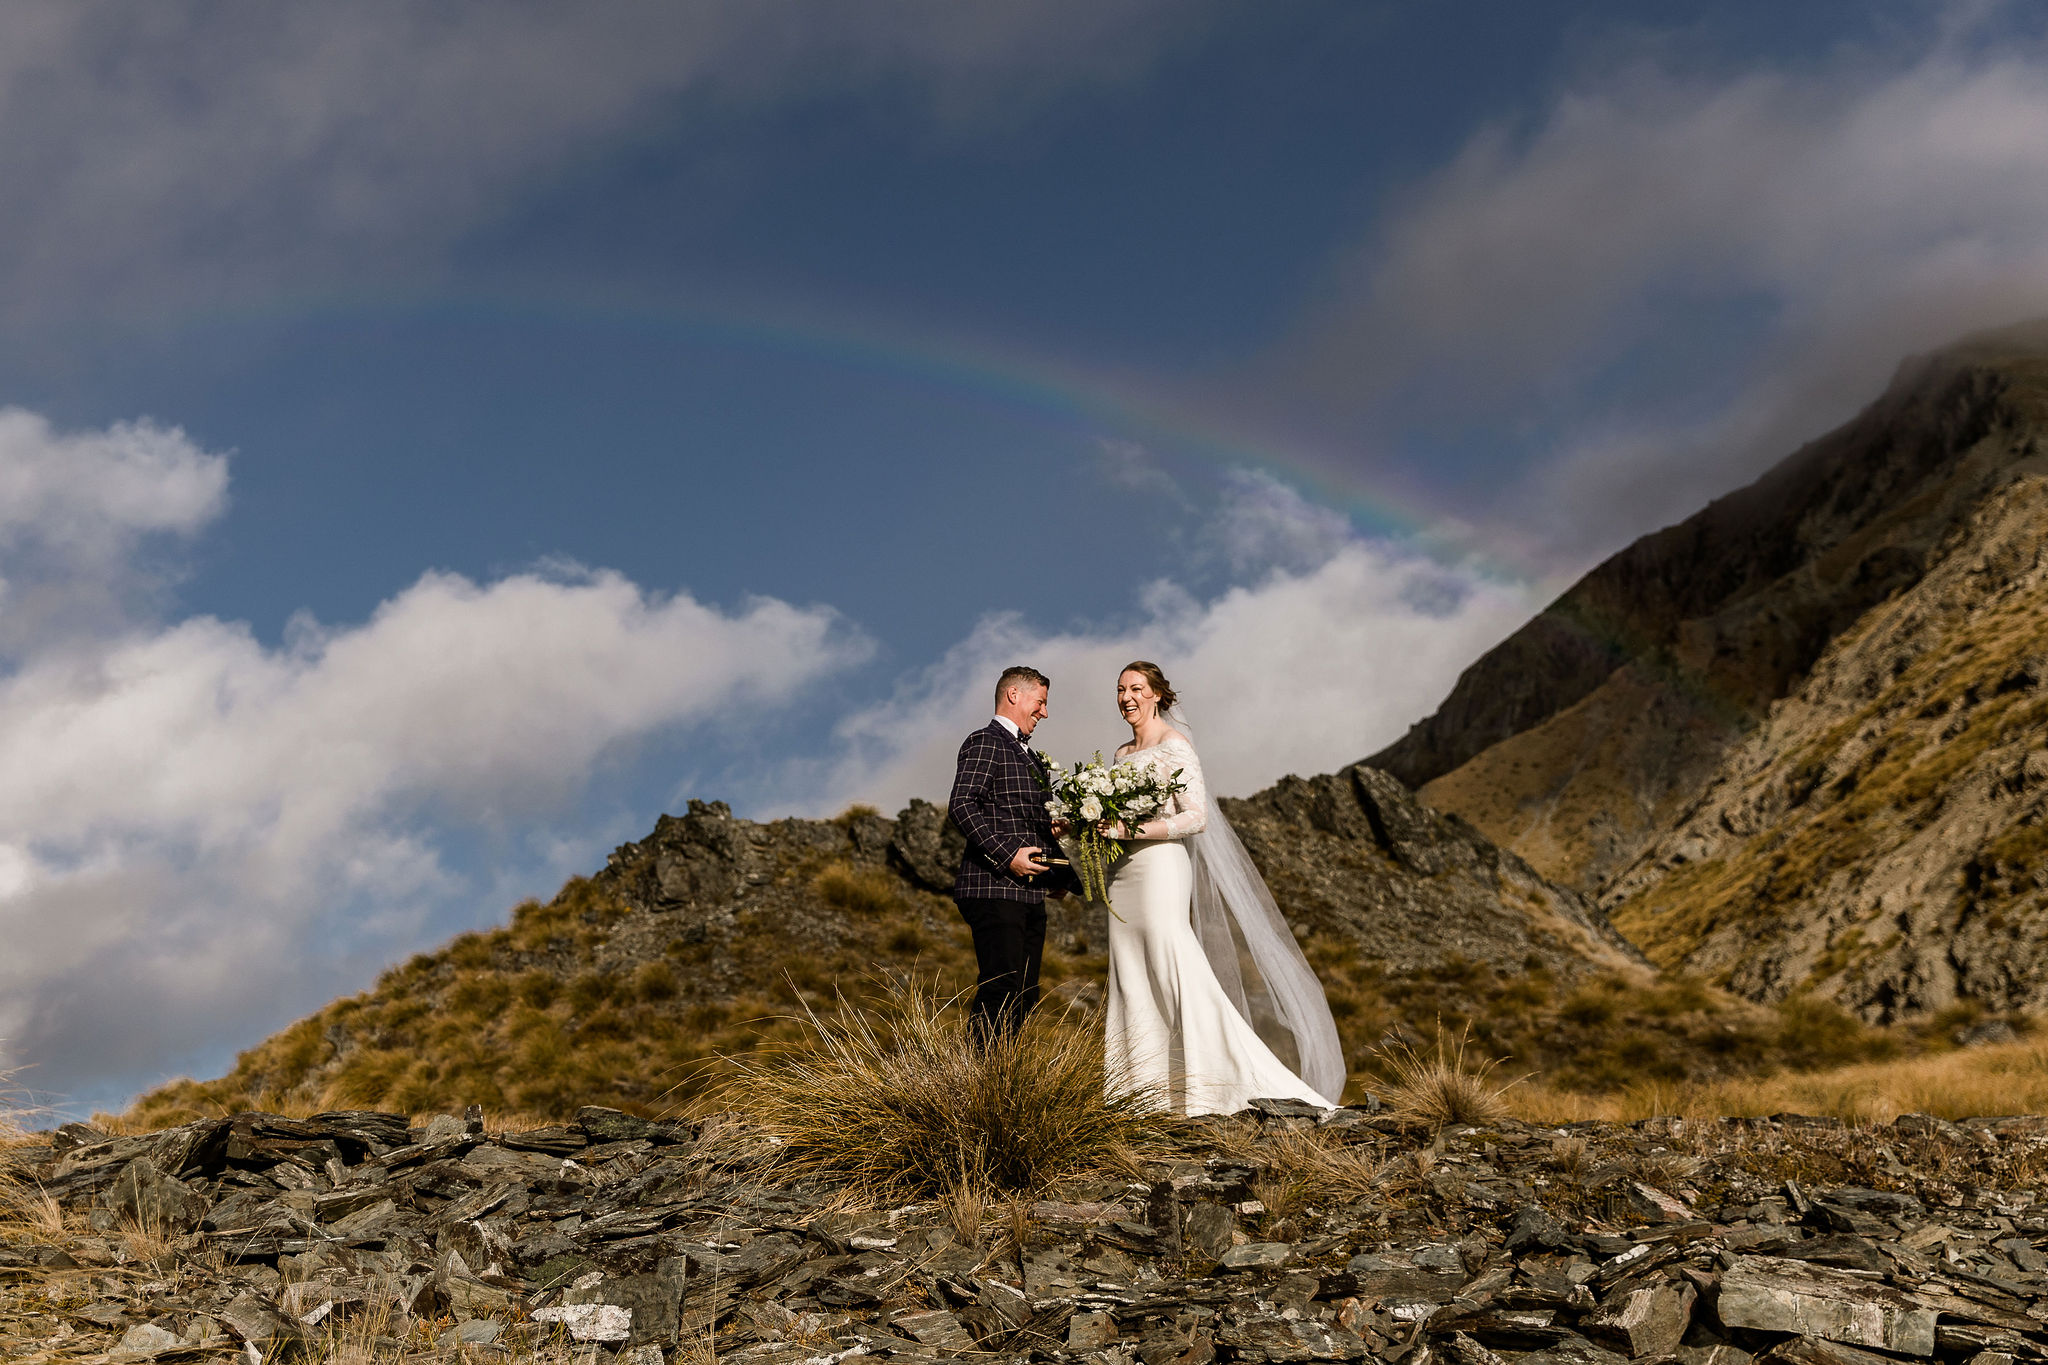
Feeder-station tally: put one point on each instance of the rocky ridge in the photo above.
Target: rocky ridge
(1579, 740)
(1281, 1235)
(1880, 838)
(631, 982)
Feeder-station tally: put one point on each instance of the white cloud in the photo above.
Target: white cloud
(76, 510)
(89, 495)
(1878, 205)
(1265, 523)
(190, 150)
(1301, 672)
(196, 825)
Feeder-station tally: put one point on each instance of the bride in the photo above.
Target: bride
(1211, 1004)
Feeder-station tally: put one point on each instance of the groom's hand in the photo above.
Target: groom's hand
(1024, 862)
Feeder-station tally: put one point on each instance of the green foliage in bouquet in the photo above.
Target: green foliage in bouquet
(1092, 796)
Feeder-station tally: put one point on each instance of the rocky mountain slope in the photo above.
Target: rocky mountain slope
(1579, 740)
(702, 938)
(1882, 838)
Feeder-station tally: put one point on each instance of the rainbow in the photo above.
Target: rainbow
(1062, 396)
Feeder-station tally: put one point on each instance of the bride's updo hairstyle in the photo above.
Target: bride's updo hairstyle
(1154, 679)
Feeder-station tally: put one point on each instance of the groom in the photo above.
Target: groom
(998, 802)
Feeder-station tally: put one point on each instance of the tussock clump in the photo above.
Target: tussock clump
(898, 1101)
(1666, 1169)
(1445, 1086)
(856, 892)
(1307, 1163)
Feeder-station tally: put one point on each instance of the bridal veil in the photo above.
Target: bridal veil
(1253, 953)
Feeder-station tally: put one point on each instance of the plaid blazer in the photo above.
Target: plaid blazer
(998, 802)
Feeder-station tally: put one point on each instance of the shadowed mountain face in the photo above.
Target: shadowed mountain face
(1882, 838)
(1582, 738)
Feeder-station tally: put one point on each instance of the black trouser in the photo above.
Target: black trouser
(1009, 943)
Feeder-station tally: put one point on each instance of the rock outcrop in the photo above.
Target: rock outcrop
(629, 985)
(1355, 856)
(1275, 1236)
(1577, 741)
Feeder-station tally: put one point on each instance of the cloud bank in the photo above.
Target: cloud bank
(1752, 250)
(198, 828)
(1335, 645)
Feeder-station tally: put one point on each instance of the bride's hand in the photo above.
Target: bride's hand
(1113, 829)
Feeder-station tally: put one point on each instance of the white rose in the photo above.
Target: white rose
(1091, 809)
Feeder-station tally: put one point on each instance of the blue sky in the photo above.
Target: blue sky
(438, 441)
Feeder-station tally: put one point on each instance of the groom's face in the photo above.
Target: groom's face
(1027, 708)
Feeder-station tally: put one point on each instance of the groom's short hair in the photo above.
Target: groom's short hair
(1017, 674)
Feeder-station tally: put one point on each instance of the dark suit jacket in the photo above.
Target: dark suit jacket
(998, 802)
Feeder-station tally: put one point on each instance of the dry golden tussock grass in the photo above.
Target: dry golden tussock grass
(1303, 1163)
(26, 1207)
(1445, 1085)
(898, 1101)
(2001, 1078)
(869, 891)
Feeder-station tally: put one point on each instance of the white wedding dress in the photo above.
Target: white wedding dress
(1201, 964)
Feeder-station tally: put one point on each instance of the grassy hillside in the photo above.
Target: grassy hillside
(583, 1000)
(588, 999)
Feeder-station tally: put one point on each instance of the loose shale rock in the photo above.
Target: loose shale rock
(1807, 1244)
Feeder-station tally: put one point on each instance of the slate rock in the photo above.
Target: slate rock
(70, 1136)
(1400, 1276)
(1461, 1349)
(1886, 1203)
(1172, 1346)
(1720, 1354)
(1820, 1351)
(1654, 1205)
(600, 1124)
(1269, 1338)
(257, 1322)
(446, 1126)
(194, 1148)
(1286, 1109)
(926, 846)
(145, 1341)
(155, 1201)
(1091, 1331)
(1256, 1256)
(560, 1140)
(936, 1328)
(1769, 1295)
(599, 1322)
(652, 1302)
(1208, 1230)
(1648, 1321)
(1573, 1352)
(1840, 1250)
(1533, 1227)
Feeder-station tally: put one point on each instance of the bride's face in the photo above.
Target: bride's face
(1135, 698)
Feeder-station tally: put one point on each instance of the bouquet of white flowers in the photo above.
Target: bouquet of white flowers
(1090, 795)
